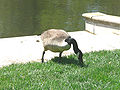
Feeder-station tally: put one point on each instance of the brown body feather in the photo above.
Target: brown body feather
(54, 40)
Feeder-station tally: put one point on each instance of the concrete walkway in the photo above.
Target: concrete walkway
(26, 49)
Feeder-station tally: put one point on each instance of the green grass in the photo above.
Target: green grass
(102, 72)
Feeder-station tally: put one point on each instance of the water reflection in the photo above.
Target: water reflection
(28, 17)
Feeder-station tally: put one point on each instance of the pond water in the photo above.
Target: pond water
(30, 17)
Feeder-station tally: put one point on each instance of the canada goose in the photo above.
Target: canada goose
(57, 40)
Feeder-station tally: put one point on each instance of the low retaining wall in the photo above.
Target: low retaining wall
(100, 23)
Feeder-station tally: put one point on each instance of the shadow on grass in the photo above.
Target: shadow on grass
(68, 60)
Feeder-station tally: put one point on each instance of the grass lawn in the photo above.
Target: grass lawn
(102, 72)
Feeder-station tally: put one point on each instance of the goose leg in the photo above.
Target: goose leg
(43, 56)
(60, 54)
(60, 57)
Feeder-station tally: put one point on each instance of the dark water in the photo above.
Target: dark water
(29, 17)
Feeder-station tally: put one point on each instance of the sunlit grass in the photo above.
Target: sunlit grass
(101, 71)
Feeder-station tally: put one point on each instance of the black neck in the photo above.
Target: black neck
(77, 50)
(75, 46)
